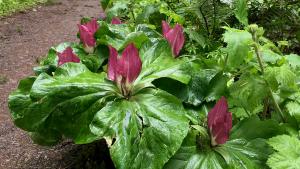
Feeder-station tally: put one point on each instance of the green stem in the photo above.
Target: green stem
(257, 52)
(276, 105)
(259, 58)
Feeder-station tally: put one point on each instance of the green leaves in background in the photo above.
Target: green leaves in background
(287, 153)
(237, 45)
(247, 95)
(119, 36)
(241, 11)
(105, 3)
(205, 85)
(293, 60)
(267, 129)
(280, 77)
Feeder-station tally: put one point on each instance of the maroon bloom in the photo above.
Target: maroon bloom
(67, 56)
(219, 122)
(174, 36)
(87, 32)
(116, 21)
(125, 69)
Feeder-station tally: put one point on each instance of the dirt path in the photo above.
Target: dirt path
(24, 38)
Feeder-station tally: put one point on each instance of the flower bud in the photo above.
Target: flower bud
(87, 32)
(174, 36)
(219, 122)
(125, 69)
(116, 21)
(67, 56)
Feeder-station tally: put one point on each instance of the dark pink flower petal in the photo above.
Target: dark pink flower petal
(67, 56)
(112, 63)
(176, 39)
(116, 21)
(87, 32)
(92, 26)
(220, 122)
(130, 64)
(165, 28)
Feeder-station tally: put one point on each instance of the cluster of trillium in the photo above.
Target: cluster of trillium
(124, 70)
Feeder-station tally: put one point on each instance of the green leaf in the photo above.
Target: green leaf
(149, 128)
(288, 152)
(237, 45)
(242, 154)
(105, 3)
(270, 56)
(293, 60)
(119, 36)
(63, 104)
(294, 109)
(241, 11)
(191, 156)
(158, 62)
(145, 15)
(149, 31)
(197, 37)
(119, 8)
(247, 129)
(93, 61)
(236, 153)
(205, 85)
(247, 94)
(280, 76)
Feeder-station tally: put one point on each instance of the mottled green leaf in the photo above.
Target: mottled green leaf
(149, 128)
(63, 104)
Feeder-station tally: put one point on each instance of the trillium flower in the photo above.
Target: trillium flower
(87, 32)
(116, 21)
(124, 69)
(67, 56)
(174, 36)
(219, 122)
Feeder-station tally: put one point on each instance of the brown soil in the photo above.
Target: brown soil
(24, 38)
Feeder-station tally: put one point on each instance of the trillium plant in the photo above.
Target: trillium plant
(162, 96)
(124, 70)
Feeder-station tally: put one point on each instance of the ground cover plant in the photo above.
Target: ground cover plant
(168, 89)
(10, 6)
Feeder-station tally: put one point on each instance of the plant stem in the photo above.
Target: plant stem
(276, 104)
(258, 55)
(259, 58)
